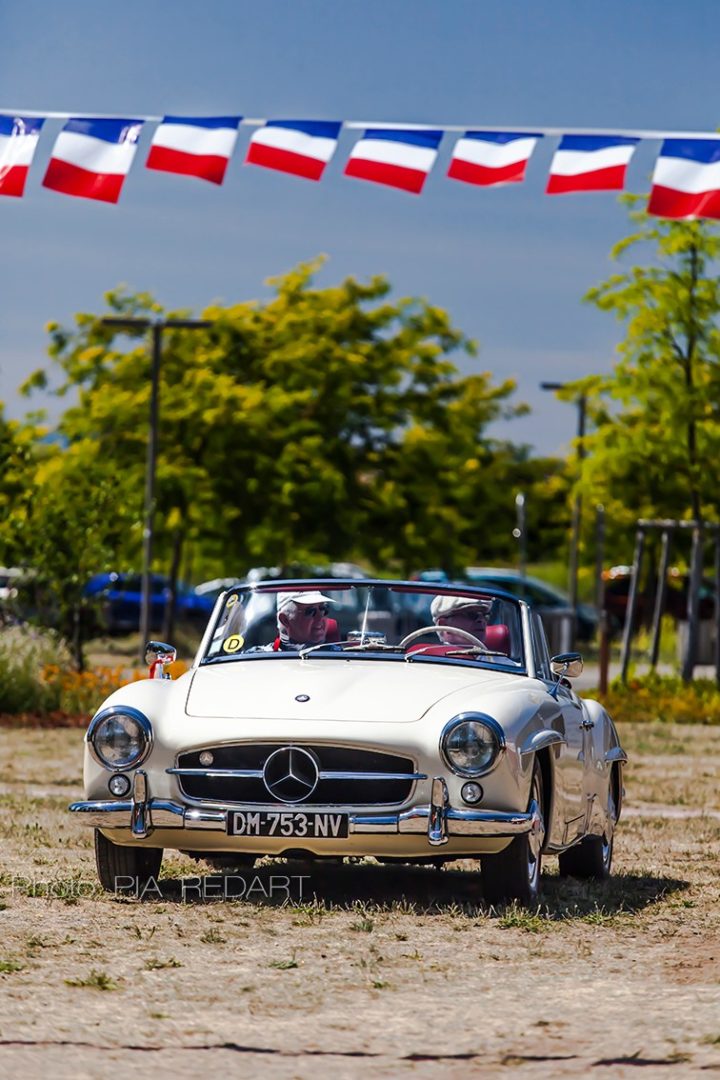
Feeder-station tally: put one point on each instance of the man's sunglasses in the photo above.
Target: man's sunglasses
(477, 618)
(311, 612)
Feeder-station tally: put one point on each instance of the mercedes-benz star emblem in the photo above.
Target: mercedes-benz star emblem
(291, 774)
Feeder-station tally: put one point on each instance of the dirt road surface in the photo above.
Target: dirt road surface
(339, 970)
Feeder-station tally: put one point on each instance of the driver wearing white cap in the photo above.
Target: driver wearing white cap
(463, 612)
(301, 619)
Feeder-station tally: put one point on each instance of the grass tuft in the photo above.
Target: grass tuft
(363, 926)
(514, 917)
(284, 965)
(213, 937)
(96, 980)
(8, 967)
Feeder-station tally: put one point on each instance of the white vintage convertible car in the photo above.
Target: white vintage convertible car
(332, 718)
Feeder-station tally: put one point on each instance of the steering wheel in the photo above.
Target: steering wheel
(409, 638)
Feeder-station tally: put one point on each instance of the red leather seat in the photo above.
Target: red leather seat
(497, 638)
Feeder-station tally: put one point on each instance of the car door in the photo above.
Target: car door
(575, 757)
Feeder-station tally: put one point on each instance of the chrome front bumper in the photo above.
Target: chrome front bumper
(438, 820)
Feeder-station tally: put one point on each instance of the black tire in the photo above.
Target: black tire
(514, 874)
(126, 871)
(591, 859)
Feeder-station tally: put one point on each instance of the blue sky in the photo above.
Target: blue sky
(510, 264)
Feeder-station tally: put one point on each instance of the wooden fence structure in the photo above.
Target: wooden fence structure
(669, 530)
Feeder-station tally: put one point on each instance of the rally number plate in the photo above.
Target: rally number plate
(284, 823)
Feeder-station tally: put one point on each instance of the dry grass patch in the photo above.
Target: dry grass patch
(352, 970)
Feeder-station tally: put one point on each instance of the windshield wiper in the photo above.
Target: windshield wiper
(471, 650)
(373, 646)
(350, 646)
(333, 646)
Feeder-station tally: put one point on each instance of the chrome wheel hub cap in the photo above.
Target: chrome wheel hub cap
(611, 818)
(536, 836)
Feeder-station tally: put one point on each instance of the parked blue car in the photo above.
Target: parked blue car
(119, 598)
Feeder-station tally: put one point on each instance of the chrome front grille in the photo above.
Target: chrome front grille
(348, 776)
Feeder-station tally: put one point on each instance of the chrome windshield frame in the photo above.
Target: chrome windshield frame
(523, 666)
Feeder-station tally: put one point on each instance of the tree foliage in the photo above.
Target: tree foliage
(654, 445)
(321, 424)
(324, 422)
(65, 517)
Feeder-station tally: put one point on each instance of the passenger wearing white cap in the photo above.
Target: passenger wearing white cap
(301, 619)
(463, 612)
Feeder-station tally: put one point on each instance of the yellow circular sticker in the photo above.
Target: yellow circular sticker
(233, 643)
(231, 600)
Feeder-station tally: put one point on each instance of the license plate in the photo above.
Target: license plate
(287, 823)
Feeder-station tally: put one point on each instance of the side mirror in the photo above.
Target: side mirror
(567, 665)
(157, 654)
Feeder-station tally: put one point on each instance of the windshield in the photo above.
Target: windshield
(346, 620)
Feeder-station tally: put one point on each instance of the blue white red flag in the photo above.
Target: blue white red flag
(590, 163)
(194, 146)
(91, 158)
(300, 147)
(490, 158)
(396, 157)
(18, 138)
(686, 181)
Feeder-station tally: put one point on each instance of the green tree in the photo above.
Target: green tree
(17, 454)
(654, 445)
(322, 423)
(65, 517)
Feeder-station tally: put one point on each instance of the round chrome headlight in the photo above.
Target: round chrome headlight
(471, 744)
(120, 737)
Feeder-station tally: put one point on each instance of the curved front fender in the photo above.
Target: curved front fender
(539, 740)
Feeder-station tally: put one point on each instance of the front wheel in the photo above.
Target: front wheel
(514, 874)
(126, 871)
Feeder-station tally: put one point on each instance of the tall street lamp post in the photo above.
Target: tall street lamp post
(156, 326)
(581, 403)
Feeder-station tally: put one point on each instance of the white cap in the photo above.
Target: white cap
(443, 606)
(310, 596)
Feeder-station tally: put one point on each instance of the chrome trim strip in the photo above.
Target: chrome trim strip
(465, 822)
(103, 813)
(616, 754)
(257, 774)
(254, 774)
(540, 740)
(330, 775)
(373, 823)
(196, 818)
(165, 814)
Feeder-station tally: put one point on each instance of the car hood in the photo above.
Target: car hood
(356, 690)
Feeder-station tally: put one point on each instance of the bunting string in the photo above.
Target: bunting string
(93, 155)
